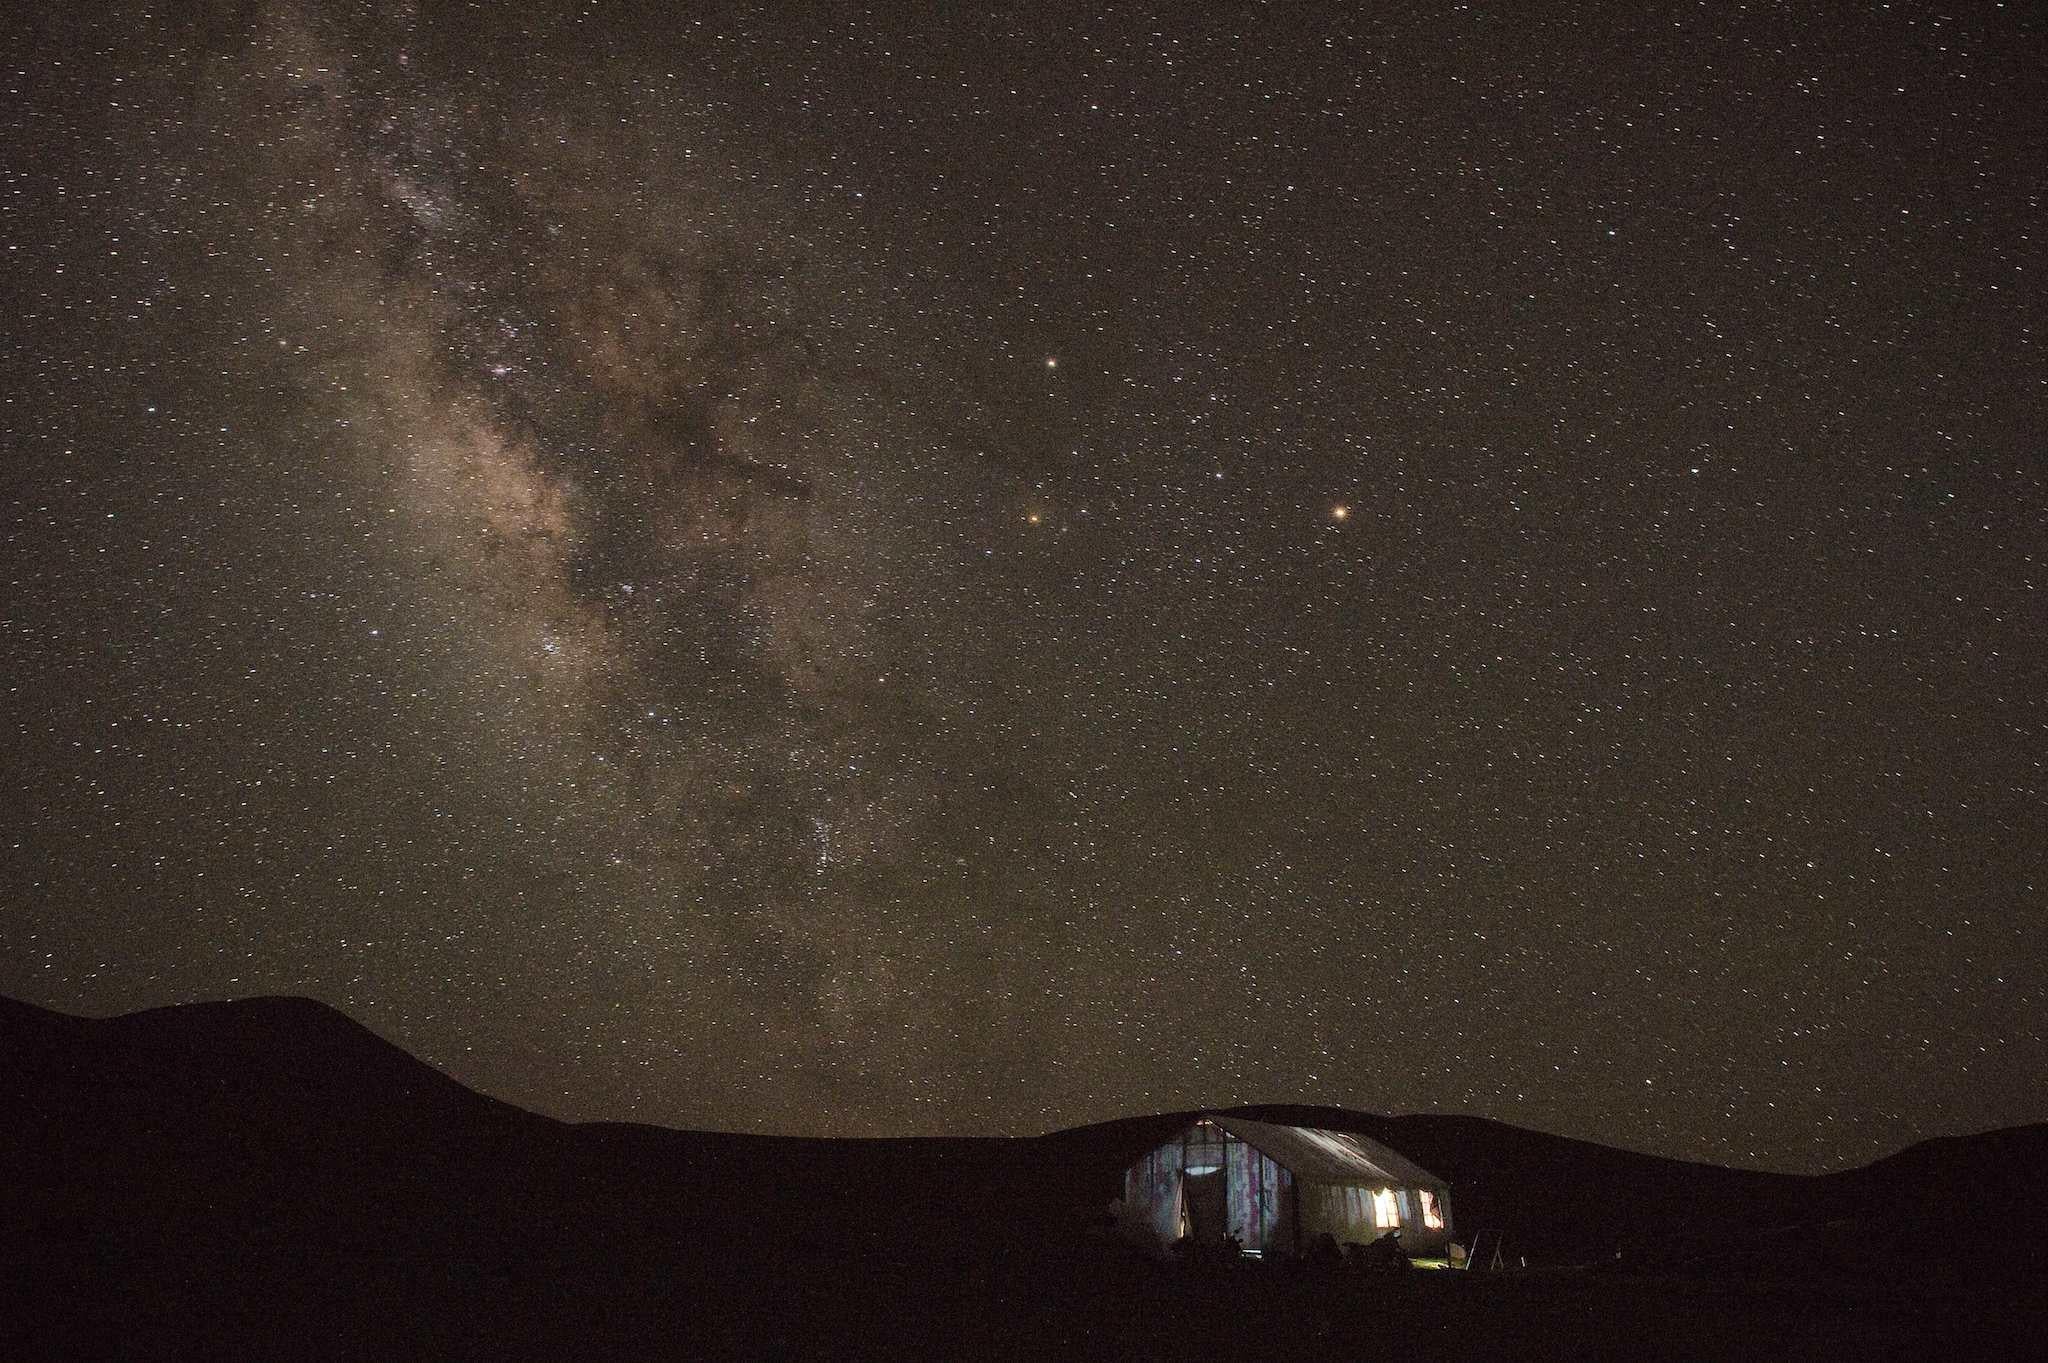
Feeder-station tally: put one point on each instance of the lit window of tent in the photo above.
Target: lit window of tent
(1386, 1212)
(1432, 1211)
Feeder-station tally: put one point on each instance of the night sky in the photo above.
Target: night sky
(858, 574)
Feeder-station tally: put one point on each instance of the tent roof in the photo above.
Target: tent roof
(1329, 1156)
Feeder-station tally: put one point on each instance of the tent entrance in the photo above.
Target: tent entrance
(1205, 1204)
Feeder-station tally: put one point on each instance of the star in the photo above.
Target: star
(685, 490)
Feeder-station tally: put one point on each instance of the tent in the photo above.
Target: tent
(1277, 1188)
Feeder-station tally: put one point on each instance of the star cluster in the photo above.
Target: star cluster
(850, 574)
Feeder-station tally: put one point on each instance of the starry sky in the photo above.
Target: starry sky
(846, 571)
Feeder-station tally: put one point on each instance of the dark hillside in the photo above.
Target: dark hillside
(275, 1118)
(267, 1177)
(1980, 1200)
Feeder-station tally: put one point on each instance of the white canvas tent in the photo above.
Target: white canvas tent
(1276, 1188)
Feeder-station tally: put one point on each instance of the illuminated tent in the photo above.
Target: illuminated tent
(1279, 1187)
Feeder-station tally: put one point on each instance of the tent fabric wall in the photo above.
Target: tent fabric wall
(1342, 1211)
(1152, 1188)
(1257, 1191)
(1259, 1199)
(1345, 1212)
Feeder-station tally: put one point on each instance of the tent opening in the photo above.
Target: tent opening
(1206, 1205)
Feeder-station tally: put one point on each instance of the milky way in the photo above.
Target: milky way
(837, 575)
(667, 511)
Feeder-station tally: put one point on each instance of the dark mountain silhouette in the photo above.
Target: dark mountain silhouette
(275, 1061)
(251, 1170)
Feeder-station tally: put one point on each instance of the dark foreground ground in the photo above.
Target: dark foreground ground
(170, 1303)
(266, 1179)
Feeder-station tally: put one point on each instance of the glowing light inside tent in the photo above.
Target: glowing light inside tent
(1386, 1212)
(1432, 1211)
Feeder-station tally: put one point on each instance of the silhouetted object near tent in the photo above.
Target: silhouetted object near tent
(1277, 1188)
(1383, 1255)
(1321, 1251)
(1486, 1251)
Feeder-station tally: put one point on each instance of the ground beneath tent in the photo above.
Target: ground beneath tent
(283, 1301)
